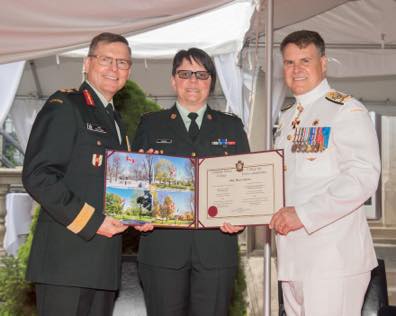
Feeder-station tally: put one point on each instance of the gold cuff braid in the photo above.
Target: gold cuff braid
(81, 220)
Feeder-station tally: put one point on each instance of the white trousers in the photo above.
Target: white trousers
(330, 297)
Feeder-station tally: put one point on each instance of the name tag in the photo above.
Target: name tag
(164, 141)
(95, 128)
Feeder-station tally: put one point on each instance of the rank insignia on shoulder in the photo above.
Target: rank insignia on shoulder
(88, 98)
(151, 112)
(337, 97)
(56, 101)
(287, 107)
(95, 128)
(230, 114)
(72, 90)
(97, 160)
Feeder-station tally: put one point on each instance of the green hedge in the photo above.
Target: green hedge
(132, 103)
(16, 295)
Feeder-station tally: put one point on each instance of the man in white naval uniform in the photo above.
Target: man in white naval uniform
(325, 250)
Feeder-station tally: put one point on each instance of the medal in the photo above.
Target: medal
(303, 145)
(296, 121)
(97, 160)
(311, 139)
(223, 142)
(326, 136)
(299, 140)
(294, 146)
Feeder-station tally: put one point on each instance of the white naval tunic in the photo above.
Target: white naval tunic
(328, 188)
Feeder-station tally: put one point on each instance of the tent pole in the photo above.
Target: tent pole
(268, 94)
(36, 79)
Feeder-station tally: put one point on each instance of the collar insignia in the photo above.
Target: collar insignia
(88, 98)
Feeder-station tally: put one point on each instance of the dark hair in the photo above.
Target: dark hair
(302, 39)
(108, 38)
(199, 56)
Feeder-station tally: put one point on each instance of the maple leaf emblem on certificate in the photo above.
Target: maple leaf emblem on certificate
(239, 166)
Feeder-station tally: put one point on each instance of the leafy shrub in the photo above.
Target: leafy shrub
(132, 102)
(16, 294)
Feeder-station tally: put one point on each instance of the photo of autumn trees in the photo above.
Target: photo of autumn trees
(150, 188)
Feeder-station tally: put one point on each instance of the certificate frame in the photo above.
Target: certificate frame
(187, 192)
(242, 189)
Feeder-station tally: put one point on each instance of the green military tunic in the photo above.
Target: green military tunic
(64, 172)
(166, 132)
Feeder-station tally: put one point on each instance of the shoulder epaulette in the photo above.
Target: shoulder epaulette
(337, 97)
(72, 90)
(151, 112)
(228, 114)
(55, 100)
(286, 107)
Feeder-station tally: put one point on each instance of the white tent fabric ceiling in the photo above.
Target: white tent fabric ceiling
(33, 29)
(203, 30)
(363, 22)
(360, 37)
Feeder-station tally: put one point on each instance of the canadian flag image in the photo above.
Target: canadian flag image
(130, 159)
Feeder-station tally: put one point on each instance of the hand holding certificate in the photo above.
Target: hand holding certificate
(194, 193)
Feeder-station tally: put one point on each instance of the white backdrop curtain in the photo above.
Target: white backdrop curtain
(23, 114)
(9, 81)
(230, 77)
(279, 87)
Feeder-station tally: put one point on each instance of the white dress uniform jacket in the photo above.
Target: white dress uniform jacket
(328, 188)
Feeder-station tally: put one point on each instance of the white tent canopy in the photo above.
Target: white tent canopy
(360, 37)
(32, 29)
(197, 31)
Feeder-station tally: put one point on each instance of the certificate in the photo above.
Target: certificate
(241, 189)
(184, 192)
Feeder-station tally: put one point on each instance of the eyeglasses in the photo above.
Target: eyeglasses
(122, 64)
(187, 74)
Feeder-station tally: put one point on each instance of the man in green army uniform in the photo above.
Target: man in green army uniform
(189, 272)
(76, 251)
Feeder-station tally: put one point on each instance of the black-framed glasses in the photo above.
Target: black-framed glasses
(123, 64)
(187, 74)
